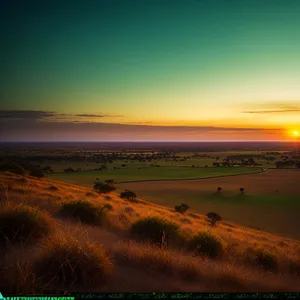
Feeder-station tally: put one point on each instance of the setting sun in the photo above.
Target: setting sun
(295, 133)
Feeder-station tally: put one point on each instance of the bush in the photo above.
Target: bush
(207, 244)
(213, 217)
(264, 259)
(22, 223)
(85, 211)
(181, 208)
(53, 188)
(242, 190)
(103, 188)
(129, 195)
(109, 181)
(155, 229)
(69, 262)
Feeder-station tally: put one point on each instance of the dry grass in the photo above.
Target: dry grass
(21, 223)
(65, 262)
(16, 276)
(236, 271)
(220, 276)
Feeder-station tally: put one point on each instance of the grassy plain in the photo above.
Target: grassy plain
(149, 173)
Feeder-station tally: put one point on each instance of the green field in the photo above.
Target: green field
(149, 173)
(270, 202)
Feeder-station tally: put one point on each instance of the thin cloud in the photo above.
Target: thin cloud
(271, 111)
(49, 116)
(26, 114)
(98, 116)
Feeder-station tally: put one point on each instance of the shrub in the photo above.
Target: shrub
(53, 188)
(85, 211)
(178, 208)
(109, 181)
(22, 223)
(207, 244)
(219, 189)
(242, 190)
(154, 228)
(181, 208)
(129, 195)
(103, 188)
(264, 259)
(69, 262)
(213, 217)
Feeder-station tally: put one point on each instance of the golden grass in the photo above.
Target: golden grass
(16, 276)
(20, 223)
(220, 276)
(234, 272)
(66, 262)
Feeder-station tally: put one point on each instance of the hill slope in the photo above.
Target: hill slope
(247, 260)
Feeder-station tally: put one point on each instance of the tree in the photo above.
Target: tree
(242, 190)
(213, 217)
(219, 189)
(103, 188)
(109, 181)
(181, 208)
(128, 195)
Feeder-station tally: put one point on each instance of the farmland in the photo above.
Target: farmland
(149, 173)
(171, 174)
(270, 202)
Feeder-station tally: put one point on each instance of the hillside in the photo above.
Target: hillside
(112, 255)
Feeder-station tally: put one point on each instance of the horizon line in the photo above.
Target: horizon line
(155, 141)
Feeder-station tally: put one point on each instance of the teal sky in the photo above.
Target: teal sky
(200, 63)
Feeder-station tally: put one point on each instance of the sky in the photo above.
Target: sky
(149, 70)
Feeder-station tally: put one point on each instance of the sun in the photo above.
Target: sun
(295, 133)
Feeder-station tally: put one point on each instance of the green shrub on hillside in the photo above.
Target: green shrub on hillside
(207, 244)
(129, 195)
(103, 188)
(155, 229)
(85, 212)
(181, 208)
(264, 259)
